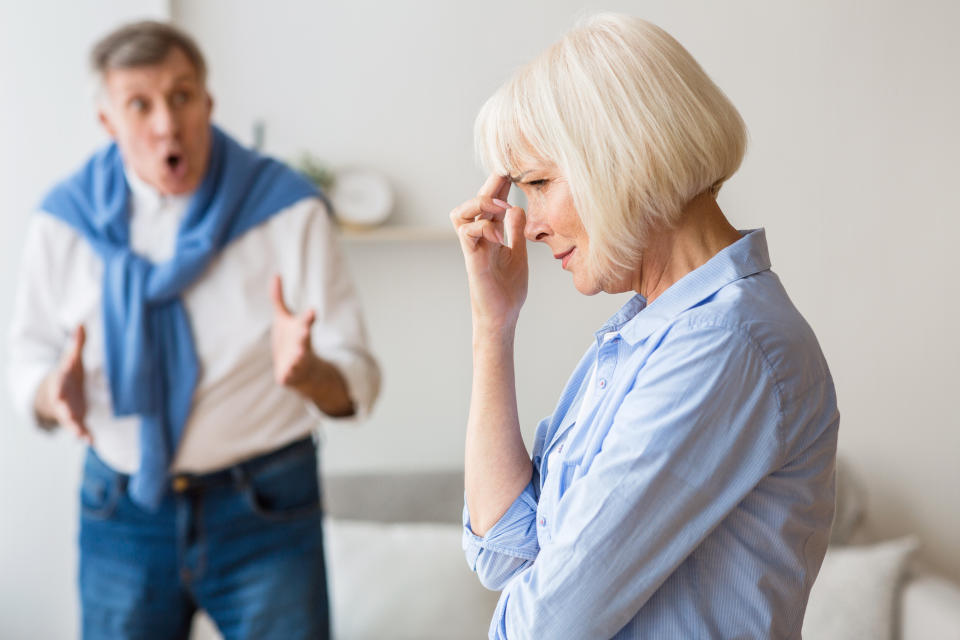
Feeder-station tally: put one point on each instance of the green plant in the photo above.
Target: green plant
(316, 171)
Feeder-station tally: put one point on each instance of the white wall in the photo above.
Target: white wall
(851, 108)
(47, 128)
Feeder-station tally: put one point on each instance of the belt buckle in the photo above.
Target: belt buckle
(181, 483)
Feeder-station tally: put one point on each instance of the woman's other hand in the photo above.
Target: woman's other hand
(495, 252)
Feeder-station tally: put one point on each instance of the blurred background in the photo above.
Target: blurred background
(852, 168)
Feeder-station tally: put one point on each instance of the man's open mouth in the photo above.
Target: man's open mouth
(174, 160)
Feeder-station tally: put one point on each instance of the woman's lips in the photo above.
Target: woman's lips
(564, 257)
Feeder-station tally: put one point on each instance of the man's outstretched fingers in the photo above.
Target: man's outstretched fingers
(276, 295)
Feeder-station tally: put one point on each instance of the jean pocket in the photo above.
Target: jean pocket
(99, 496)
(285, 490)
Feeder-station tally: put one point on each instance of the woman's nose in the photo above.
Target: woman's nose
(535, 228)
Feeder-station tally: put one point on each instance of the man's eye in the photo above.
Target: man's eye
(180, 98)
(138, 104)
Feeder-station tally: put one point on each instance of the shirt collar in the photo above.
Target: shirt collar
(745, 257)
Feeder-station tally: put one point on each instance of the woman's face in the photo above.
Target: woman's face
(553, 220)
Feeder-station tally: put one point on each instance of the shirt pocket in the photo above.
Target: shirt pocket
(561, 477)
(566, 473)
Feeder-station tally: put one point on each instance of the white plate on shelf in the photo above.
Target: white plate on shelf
(361, 197)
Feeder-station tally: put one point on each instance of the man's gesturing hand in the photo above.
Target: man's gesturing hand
(60, 397)
(292, 352)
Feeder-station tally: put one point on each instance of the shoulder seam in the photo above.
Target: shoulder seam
(751, 342)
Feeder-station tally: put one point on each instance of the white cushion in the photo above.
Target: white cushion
(403, 581)
(851, 505)
(856, 591)
(931, 609)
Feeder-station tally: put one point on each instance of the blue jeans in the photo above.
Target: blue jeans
(244, 544)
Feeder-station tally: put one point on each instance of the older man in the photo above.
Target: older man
(185, 310)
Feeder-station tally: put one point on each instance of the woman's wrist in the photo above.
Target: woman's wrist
(500, 334)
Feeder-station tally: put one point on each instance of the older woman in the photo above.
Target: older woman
(683, 486)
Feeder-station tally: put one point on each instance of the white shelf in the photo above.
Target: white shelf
(397, 234)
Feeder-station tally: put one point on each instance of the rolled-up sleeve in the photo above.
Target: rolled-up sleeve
(35, 336)
(510, 545)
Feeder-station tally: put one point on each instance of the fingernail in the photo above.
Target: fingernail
(501, 203)
(500, 237)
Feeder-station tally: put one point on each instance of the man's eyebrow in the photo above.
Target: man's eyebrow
(518, 178)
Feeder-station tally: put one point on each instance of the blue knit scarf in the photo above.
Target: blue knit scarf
(151, 361)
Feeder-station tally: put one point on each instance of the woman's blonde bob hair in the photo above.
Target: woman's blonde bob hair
(629, 118)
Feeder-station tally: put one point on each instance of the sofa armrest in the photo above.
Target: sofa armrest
(426, 496)
(930, 609)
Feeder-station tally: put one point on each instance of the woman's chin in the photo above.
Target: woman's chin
(586, 285)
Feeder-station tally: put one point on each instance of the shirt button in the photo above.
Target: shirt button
(560, 448)
(543, 521)
(603, 383)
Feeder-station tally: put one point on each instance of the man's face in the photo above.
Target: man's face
(159, 116)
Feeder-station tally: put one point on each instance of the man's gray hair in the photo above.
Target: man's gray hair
(141, 44)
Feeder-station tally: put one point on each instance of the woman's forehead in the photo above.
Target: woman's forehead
(527, 165)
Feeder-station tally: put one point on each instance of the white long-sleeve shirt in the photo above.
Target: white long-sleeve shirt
(238, 410)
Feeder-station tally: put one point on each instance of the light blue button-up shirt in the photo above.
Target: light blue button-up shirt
(692, 495)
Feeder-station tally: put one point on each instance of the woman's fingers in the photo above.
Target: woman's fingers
(495, 187)
(471, 233)
(490, 202)
(514, 221)
(481, 207)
